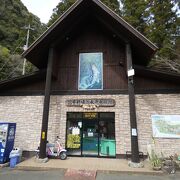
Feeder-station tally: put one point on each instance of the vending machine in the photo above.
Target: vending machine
(7, 136)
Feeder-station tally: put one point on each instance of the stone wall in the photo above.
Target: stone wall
(161, 104)
(26, 111)
(121, 109)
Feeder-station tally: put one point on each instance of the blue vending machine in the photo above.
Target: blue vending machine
(7, 136)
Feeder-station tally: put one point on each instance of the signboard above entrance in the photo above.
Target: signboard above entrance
(90, 115)
(97, 102)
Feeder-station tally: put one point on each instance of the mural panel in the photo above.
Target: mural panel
(90, 71)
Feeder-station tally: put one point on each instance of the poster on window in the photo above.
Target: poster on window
(166, 126)
(90, 71)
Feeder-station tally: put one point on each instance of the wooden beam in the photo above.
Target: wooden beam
(132, 108)
(111, 28)
(45, 117)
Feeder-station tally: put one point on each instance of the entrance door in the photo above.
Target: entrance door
(90, 139)
(90, 134)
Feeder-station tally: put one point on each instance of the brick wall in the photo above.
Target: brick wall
(26, 111)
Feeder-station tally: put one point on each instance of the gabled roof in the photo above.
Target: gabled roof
(37, 53)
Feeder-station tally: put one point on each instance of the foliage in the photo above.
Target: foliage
(160, 22)
(11, 65)
(65, 4)
(136, 13)
(164, 26)
(4, 62)
(156, 162)
(14, 17)
(165, 64)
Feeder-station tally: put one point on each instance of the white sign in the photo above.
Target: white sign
(166, 126)
(90, 134)
(131, 72)
(134, 132)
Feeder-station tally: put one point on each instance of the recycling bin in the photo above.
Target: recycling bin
(15, 157)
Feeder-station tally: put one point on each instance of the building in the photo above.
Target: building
(95, 107)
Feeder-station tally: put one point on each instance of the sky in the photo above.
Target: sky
(41, 8)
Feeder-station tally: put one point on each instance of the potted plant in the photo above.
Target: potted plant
(156, 162)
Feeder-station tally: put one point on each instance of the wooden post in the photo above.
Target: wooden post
(45, 117)
(132, 108)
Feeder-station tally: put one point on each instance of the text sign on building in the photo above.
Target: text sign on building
(97, 102)
(90, 115)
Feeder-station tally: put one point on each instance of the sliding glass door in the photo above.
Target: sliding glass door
(90, 138)
(91, 134)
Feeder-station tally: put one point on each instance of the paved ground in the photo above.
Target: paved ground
(97, 164)
(101, 176)
(56, 169)
(11, 174)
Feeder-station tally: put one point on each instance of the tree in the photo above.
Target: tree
(65, 4)
(164, 26)
(4, 62)
(14, 16)
(136, 13)
(159, 21)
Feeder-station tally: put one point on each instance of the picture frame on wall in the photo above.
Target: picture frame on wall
(166, 126)
(90, 71)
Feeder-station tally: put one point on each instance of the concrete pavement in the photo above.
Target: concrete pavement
(14, 174)
(93, 164)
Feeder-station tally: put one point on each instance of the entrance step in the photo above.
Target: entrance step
(73, 174)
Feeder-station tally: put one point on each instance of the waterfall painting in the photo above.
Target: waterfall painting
(90, 71)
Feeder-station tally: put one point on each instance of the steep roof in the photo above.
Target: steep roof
(37, 53)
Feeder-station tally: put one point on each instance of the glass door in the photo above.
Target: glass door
(90, 138)
(91, 134)
(107, 141)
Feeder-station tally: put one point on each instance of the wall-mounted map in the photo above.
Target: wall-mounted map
(90, 71)
(166, 126)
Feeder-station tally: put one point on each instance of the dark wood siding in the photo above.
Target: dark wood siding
(154, 83)
(91, 39)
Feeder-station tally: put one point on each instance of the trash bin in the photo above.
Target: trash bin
(13, 161)
(15, 157)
